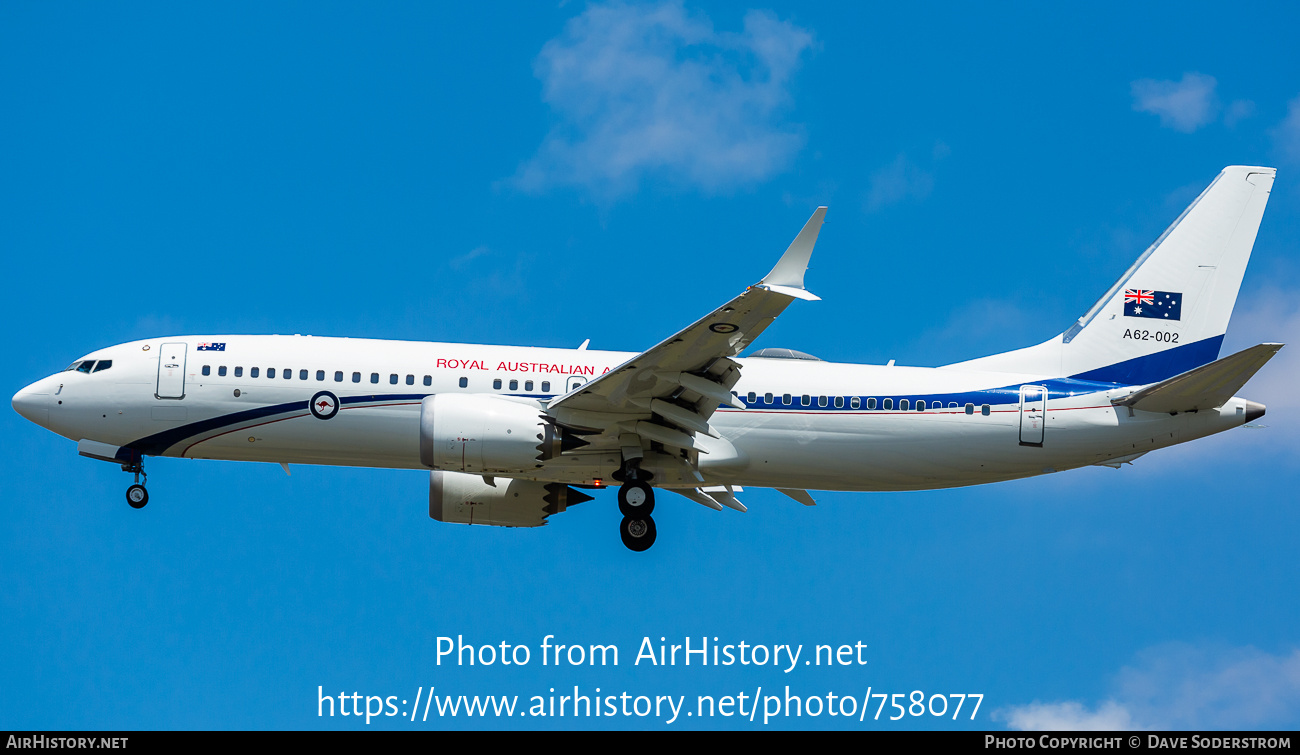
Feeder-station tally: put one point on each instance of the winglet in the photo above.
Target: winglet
(787, 277)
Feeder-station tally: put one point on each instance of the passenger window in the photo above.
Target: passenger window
(785, 399)
(767, 398)
(871, 403)
(984, 409)
(855, 403)
(821, 401)
(320, 374)
(839, 402)
(970, 408)
(889, 403)
(374, 377)
(428, 380)
(952, 404)
(751, 398)
(207, 370)
(356, 377)
(239, 372)
(514, 385)
(410, 380)
(221, 371)
(270, 372)
(920, 405)
(904, 404)
(338, 376)
(528, 386)
(103, 364)
(496, 384)
(546, 386)
(302, 374)
(287, 373)
(464, 382)
(254, 372)
(392, 379)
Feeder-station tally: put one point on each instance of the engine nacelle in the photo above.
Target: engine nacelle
(468, 499)
(481, 434)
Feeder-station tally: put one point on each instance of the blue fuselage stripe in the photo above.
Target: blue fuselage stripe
(1151, 368)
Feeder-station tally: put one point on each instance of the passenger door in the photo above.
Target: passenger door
(171, 371)
(1033, 414)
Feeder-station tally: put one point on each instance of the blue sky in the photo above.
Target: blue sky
(543, 174)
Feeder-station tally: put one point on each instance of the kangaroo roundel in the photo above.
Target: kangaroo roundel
(324, 405)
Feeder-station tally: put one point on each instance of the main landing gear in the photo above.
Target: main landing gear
(638, 534)
(136, 495)
(636, 501)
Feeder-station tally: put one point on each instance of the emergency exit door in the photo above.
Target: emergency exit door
(171, 371)
(1033, 414)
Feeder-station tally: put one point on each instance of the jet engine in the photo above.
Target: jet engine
(486, 435)
(468, 499)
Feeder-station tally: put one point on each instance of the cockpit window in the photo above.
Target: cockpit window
(86, 366)
(103, 365)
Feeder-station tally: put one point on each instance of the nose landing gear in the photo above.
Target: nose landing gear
(136, 495)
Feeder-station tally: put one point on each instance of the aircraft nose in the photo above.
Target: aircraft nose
(33, 403)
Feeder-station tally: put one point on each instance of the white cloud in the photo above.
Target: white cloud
(1109, 716)
(1184, 105)
(1287, 134)
(1268, 315)
(900, 180)
(1182, 686)
(654, 89)
(458, 263)
(1238, 111)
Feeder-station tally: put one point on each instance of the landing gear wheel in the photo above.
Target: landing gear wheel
(137, 496)
(638, 534)
(636, 499)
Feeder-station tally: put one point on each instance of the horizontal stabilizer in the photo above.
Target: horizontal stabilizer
(1206, 387)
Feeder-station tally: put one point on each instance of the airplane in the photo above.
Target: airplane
(513, 435)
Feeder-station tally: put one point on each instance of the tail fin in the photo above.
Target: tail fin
(1169, 312)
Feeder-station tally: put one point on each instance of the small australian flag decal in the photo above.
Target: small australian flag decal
(1158, 305)
(216, 346)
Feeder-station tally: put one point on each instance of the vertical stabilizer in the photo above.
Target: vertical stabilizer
(1170, 310)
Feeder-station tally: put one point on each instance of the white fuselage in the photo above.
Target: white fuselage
(211, 405)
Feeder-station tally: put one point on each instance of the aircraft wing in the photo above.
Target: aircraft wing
(1206, 387)
(668, 392)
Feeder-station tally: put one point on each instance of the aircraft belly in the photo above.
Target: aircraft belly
(923, 451)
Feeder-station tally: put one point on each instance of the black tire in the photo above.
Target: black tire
(137, 496)
(638, 533)
(636, 499)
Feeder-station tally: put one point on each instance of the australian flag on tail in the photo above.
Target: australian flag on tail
(1158, 305)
